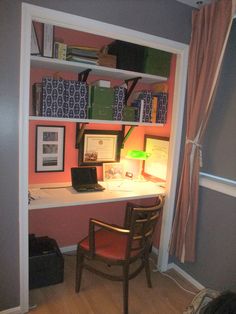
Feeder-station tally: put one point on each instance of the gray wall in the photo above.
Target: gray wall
(216, 231)
(219, 147)
(165, 18)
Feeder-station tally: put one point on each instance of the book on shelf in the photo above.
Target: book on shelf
(60, 51)
(154, 109)
(81, 59)
(93, 54)
(37, 98)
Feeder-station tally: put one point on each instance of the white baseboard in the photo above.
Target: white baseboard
(66, 249)
(14, 310)
(183, 273)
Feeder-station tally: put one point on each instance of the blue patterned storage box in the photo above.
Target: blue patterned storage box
(75, 100)
(162, 107)
(53, 97)
(118, 107)
(64, 98)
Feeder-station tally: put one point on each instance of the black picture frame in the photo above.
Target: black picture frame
(155, 167)
(49, 148)
(99, 146)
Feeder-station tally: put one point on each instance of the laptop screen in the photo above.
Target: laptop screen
(81, 176)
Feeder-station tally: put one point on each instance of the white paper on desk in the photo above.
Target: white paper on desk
(119, 186)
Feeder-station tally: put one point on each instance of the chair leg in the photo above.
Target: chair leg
(147, 270)
(79, 268)
(125, 288)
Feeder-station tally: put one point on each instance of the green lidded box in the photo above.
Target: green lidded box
(129, 113)
(157, 62)
(101, 103)
(101, 96)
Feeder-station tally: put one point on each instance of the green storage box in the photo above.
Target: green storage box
(101, 96)
(101, 112)
(129, 113)
(157, 62)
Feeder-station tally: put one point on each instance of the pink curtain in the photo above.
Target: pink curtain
(210, 30)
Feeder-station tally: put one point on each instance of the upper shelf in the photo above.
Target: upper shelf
(135, 123)
(63, 65)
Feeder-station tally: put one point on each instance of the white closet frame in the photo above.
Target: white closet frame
(30, 13)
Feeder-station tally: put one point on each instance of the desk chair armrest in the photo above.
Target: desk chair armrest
(94, 222)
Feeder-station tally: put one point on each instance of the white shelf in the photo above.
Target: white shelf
(39, 118)
(62, 65)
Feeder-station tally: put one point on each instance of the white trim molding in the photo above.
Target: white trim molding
(14, 310)
(218, 184)
(184, 274)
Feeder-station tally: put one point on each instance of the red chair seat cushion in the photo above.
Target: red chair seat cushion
(108, 244)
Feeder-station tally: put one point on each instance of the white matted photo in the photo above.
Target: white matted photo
(50, 141)
(113, 171)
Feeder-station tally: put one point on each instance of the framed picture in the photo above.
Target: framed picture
(97, 147)
(155, 167)
(50, 148)
(113, 171)
(48, 38)
(34, 41)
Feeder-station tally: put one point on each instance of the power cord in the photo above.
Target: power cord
(170, 277)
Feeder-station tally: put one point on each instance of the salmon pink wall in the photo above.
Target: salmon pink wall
(68, 225)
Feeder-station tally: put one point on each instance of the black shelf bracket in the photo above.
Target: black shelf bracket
(132, 86)
(79, 133)
(83, 76)
(127, 135)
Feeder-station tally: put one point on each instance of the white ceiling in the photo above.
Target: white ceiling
(195, 3)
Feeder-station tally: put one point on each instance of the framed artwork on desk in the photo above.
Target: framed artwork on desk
(97, 147)
(155, 167)
(113, 171)
(50, 148)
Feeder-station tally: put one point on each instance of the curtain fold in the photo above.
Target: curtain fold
(210, 31)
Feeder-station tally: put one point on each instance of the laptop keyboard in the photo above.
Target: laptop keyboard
(90, 188)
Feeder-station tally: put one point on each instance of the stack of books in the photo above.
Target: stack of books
(82, 54)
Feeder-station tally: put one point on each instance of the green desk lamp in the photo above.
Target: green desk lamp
(139, 155)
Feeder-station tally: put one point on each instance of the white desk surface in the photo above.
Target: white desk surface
(60, 196)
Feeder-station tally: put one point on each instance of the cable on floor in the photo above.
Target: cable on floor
(170, 277)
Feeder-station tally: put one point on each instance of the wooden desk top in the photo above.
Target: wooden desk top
(56, 196)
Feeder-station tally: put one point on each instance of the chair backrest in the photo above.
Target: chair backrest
(130, 206)
(142, 225)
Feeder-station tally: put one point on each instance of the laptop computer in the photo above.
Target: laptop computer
(84, 179)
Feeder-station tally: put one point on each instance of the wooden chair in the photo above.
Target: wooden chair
(115, 245)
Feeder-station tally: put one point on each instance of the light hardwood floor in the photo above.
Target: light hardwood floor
(102, 296)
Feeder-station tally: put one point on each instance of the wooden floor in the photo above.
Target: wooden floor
(102, 296)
